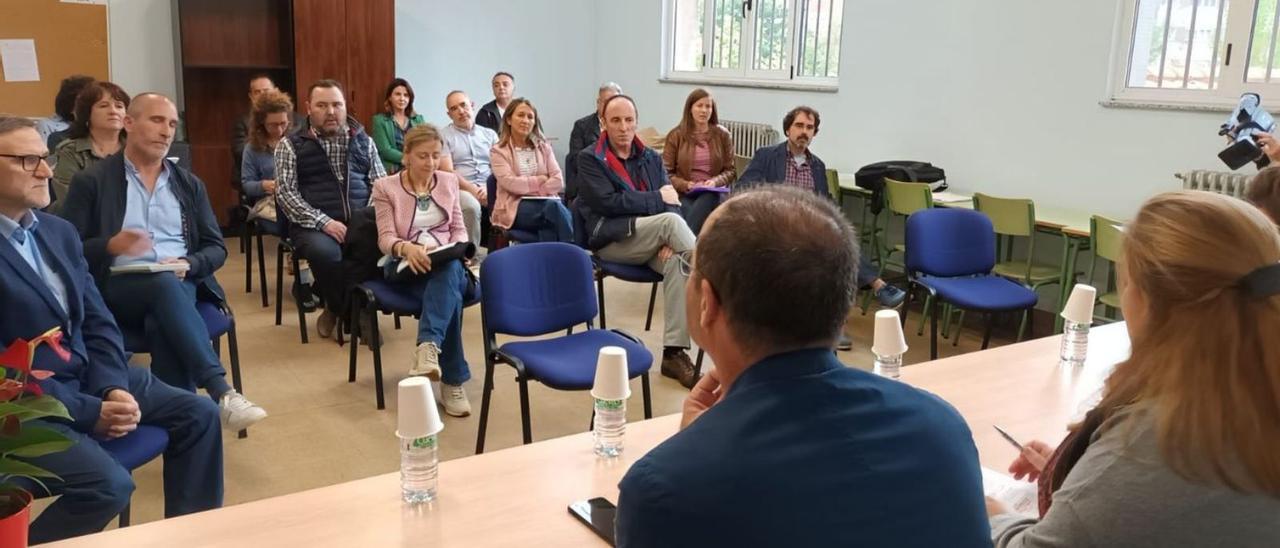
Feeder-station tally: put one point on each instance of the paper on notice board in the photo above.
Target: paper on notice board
(19, 60)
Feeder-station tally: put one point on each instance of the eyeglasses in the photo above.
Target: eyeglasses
(30, 162)
(686, 269)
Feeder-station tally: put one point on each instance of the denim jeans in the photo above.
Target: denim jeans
(549, 218)
(444, 290)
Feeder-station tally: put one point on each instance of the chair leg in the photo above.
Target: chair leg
(986, 334)
(928, 311)
(600, 298)
(955, 337)
(279, 281)
(906, 304)
(397, 318)
(648, 401)
(525, 426)
(653, 296)
(1022, 326)
(246, 246)
(486, 393)
(262, 271)
(377, 359)
(302, 315)
(124, 515)
(357, 303)
(697, 364)
(933, 330)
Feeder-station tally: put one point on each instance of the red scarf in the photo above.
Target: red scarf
(605, 152)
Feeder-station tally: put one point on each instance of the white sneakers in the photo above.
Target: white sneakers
(426, 361)
(238, 412)
(455, 401)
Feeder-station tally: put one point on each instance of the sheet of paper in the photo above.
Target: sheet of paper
(946, 197)
(143, 268)
(1019, 496)
(19, 60)
(539, 197)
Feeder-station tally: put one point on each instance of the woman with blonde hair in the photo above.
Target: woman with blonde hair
(417, 212)
(528, 177)
(1184, 447)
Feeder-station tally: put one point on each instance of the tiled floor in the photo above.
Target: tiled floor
(323, 430)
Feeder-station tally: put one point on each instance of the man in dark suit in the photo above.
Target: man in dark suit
(137, 208)
(781, 444)
(490, 115)
(793, 164)
(585, 132)
(47, 284)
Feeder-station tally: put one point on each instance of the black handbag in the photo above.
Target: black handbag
(872, 176)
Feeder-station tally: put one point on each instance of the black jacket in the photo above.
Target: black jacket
(490, 117)
(607, 207)
(96, 202)
(585, 132)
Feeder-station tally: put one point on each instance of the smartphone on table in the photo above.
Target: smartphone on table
(598, 514)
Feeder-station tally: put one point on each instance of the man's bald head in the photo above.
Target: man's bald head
(151, 123)
(147, 100)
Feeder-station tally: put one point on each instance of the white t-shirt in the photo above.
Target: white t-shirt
(424, 220)
(527, 161)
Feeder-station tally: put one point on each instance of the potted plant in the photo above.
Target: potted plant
(21, 401)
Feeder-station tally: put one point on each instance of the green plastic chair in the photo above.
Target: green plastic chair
(1105, 239)
(901, 199)
(833, 186)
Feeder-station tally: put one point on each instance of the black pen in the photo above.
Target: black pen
(1010, 439)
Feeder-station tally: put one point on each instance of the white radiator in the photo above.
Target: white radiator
(749, 136)
(1220, 182)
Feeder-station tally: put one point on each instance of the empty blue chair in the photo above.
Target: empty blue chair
(951, 253)
(637, 273)
(536, 289)
(396, 299)
(135, 449)
(505, 235)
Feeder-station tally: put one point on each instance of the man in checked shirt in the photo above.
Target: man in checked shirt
(324, 172)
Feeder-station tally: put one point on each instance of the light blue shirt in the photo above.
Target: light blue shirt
(470, 151)
(158, 213)
(22, 236)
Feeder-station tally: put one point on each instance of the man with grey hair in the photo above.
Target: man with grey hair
(585, 132)
(781, 444)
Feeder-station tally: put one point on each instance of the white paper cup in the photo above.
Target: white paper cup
(889, 340)
(611, 381)
(418, 416)
(1079, 307)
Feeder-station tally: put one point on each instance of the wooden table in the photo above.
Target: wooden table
(519, 496)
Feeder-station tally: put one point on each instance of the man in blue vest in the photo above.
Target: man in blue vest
(792, 163)
(781, 444)
(324, 172)
(45, 283)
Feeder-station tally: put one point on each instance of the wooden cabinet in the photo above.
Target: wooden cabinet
(223, 43)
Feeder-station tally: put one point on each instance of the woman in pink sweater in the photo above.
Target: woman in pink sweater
(418, 211)
(529, 179)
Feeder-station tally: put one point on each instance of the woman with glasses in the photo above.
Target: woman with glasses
(267, 126)
(418, 211)
(98, 132)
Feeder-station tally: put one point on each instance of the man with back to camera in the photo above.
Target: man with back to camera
(781, 444)
(793, 164)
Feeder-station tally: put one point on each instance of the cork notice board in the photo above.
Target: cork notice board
(70, 38)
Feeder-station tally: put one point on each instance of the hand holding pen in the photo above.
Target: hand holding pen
(1032, 457)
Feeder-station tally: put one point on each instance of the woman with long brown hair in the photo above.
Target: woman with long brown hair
(528, 177)
(698, 155)
(1184, 447)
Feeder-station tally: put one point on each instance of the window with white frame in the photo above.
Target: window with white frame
(794, 43)
(1196, 53)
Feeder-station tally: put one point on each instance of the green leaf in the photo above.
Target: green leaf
(11, 467)
(35, 442)
(35, 408)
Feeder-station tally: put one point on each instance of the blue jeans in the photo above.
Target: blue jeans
(444, 290)
(95, 488)
(164, 308)
(867, 272)
(549, 218)
(696, 209)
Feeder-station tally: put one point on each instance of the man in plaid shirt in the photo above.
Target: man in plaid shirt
(324, 172)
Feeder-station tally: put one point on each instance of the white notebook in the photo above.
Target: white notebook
(146, 268)
(1019, 496)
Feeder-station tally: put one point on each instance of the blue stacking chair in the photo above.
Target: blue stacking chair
(219, 321)
(505, 236)
(387, 298)
(637, 273)
(536, 289)
(951, 254)
(135, 449)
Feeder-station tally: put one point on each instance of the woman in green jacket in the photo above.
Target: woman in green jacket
(390, 125)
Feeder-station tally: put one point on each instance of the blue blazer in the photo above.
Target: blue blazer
(769, 165)
(803, 451)
(89, 330)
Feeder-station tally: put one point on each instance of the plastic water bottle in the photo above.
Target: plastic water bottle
(1075, 343)
(419, 465)
(888, 366)
(610, 427)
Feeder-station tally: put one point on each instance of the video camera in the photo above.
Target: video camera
(1245, 122)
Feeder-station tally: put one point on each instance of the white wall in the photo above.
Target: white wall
(1003, 95)
(547, 44)
(142, 53)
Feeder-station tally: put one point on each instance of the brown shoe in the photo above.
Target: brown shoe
(678, 366)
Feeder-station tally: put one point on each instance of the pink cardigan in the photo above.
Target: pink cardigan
(394, 207)
(547, 181)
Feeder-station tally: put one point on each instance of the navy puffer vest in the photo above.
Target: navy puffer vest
(317, 182)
